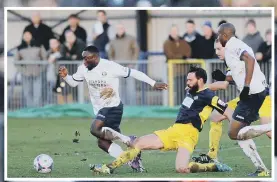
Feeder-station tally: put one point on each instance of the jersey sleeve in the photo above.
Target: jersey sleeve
(218, 104)
(119, 70)
(79, 75)
(239, 48)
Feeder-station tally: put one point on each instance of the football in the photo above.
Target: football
(43, 163)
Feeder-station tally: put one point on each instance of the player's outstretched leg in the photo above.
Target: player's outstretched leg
(249, 132)
(148, 142)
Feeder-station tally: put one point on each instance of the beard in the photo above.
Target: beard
(193, 89)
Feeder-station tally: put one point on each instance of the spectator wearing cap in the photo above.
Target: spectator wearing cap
(193, 38)
(253, 37)
(74, 26)
(103, 33)
(41, 33)
(264, 51)
(208, 51)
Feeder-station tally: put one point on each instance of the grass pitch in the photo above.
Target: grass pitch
(28, 138)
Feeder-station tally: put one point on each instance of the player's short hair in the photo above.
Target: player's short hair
(102, 11)
(199, 73)
(191, 22)
(92, 49)
(252, 22)
(221, 22)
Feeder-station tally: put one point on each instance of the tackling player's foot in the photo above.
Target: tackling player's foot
(260, 173)
(208, 167)
(203, 159)
(100, 168)
(136, 164)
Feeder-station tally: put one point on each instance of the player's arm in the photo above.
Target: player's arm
(72, 80)
(219, 85)
(249, 67)
(125, 72)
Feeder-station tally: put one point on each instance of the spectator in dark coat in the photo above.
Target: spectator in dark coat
(74, 26)
(103, 33)
(208, 51)
(71, 50)
(264, 51)
(194, 39)
(253, 37)
(41, 33)
(73, 47)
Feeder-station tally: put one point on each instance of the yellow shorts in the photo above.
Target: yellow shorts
(179, 135)
(265, 110)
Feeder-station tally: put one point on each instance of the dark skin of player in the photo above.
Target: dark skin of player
(96, 126)
(225, 32)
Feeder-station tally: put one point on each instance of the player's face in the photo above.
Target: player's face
(219, 50)
(222, 37)
(90, 59)
(192, 82)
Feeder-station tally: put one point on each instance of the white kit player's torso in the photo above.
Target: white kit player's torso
(233, 51)
(105, 74)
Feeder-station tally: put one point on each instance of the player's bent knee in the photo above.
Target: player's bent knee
(232, 135)
(182, 170)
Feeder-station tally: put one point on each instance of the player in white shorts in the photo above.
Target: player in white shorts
(102, 77)
(251, 83)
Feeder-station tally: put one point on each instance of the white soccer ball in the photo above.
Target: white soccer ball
(43, 163)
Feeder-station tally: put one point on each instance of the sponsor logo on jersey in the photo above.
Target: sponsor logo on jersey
(100, 115)
(240, 117)
(97, 83)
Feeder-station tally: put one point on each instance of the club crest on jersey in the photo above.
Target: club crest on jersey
(104, 73)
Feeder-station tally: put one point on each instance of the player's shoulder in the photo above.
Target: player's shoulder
(208, 93)
(82, 68)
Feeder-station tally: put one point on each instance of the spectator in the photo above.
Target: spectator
(74, 26)
(103, 33)
(264, 51)
(194, 39)
(253, 37)
(71, 50)
(208, 51)
(54, 55)
(175, 47)
(32, 75)
(73, 47)
(124, 46)
(41, 33)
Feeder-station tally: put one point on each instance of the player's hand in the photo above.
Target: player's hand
(63, 71)
(218, 75)
(244, 95)
(160, 86)
(107, 93)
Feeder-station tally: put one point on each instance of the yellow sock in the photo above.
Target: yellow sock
(214, 138)
(198, 167)
(125, 157)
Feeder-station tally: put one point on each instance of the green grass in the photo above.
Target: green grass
(28, 138)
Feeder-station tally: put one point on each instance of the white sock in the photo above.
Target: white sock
(116, 135)
(253, 131)
(250, 150)
(115, 150)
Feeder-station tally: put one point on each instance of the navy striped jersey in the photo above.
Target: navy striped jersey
(197, 108)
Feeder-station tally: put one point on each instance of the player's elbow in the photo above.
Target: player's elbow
(182, 170)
